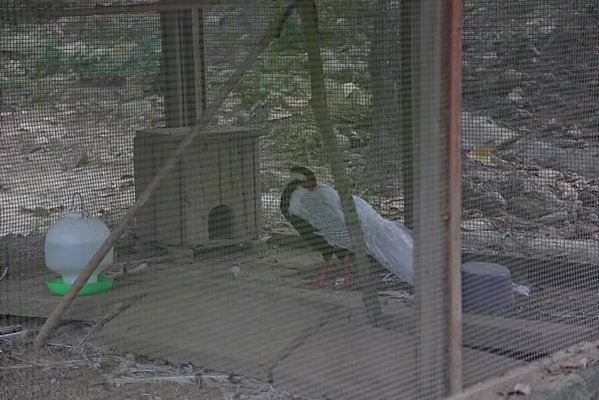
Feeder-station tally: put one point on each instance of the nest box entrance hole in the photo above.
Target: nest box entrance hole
(220, 223)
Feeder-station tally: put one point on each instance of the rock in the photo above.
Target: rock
(512, 76)
(278, 114)
(533, 205)
(578, 250)
(477, 224)
(540, 26)
(296, 102)
(548, 177)
(554, 218)
(349, 88)
(479, 131)
(343, 141)
(487, 241)
(490, 56)
(575, 132)
(490, 203)
(568, 191)
(537, 152)
(589, 197)
(578, 231)
(516, 95)
(584, 162)
(355, 140)
(42, 140)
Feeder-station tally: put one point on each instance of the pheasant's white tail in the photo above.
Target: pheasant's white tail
(387, 241)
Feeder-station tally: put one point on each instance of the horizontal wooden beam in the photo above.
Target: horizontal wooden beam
(36, 14)
(178, 4)
(15, 15)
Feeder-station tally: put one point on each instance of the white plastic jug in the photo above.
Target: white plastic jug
(72, 241)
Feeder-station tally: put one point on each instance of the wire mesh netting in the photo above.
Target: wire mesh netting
(250, 271)
(529, 172)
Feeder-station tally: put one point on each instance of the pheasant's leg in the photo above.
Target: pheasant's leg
(322, 276)
(345, 283)
(346, 271)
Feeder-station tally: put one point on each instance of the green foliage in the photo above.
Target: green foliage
(112, 53)
(307, 146)
(281, 62)
(273, 62)
(138, 62)
(38, 90)
(277, 72)
(292, 37)
(13, 83)
(37, 4)
(48, 59)
(254, 87)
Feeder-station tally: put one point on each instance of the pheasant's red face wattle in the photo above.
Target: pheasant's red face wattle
(310, 185)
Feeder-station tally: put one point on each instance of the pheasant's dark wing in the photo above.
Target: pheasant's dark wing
(307, 231)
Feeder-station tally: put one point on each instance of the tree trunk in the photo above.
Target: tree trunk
(309, 16)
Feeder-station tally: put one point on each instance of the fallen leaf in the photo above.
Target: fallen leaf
(482, 155)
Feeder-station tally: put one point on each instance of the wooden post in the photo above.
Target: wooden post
(184, 85)
(183, 68)
(434, 219)
(454, 168)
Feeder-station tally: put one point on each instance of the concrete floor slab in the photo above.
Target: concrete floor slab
(227, 327)
(312, 342)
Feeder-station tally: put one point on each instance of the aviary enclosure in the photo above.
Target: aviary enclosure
(333, 199)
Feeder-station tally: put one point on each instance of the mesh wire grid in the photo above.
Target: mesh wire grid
(210, 290)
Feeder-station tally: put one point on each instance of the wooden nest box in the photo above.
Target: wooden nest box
(211, 198)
